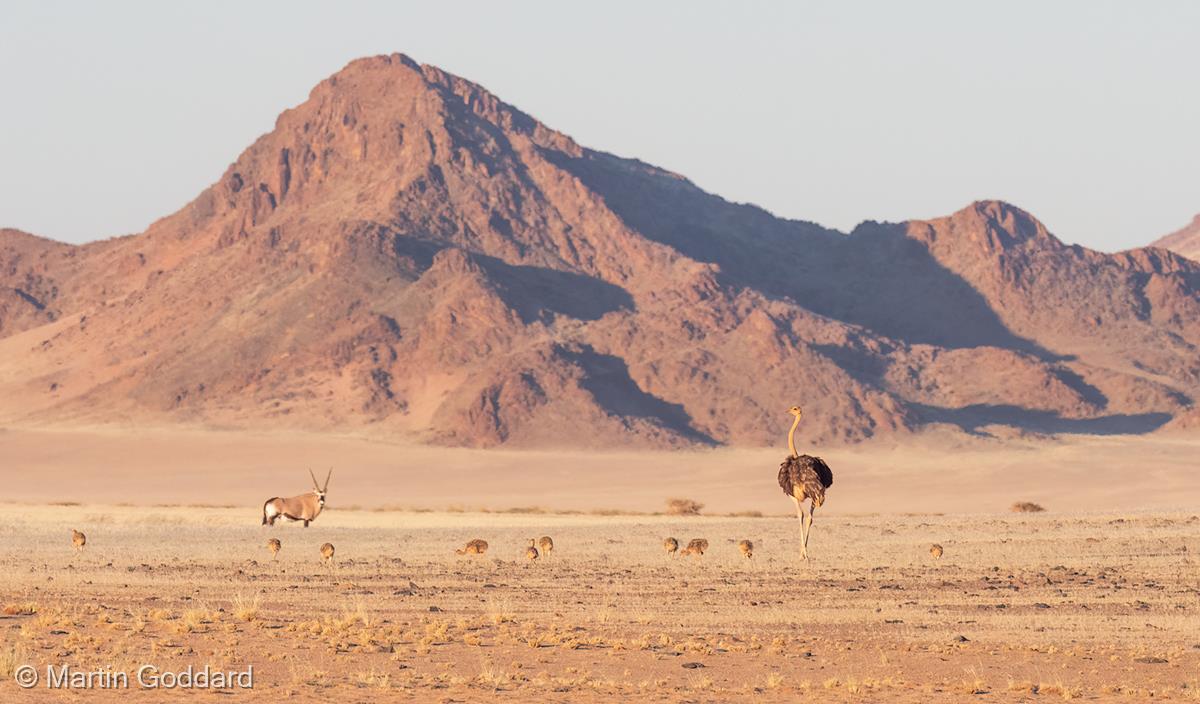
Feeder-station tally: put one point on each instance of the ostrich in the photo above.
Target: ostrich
(804, 477)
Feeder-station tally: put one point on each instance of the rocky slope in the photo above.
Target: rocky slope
(1184, 241)
(408, 254)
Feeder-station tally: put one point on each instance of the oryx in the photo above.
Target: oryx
(305, 507)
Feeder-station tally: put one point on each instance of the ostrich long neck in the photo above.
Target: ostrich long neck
(792, 437)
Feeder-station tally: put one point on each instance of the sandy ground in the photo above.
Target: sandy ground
(1098, 598)
(1022, 607)
(928, 474)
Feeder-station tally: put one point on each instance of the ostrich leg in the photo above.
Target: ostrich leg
(803, 529)
(808, 518)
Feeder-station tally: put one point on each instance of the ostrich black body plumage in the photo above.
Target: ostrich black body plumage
(808, 472)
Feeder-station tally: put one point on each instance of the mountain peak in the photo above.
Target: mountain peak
(1008, 224)
(990, 226)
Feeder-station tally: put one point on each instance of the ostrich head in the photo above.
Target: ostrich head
(795, 410)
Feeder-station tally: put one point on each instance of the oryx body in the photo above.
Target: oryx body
(305, 507)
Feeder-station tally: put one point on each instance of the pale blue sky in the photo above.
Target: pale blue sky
(1087, 113)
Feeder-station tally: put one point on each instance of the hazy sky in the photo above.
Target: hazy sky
(1085, 113)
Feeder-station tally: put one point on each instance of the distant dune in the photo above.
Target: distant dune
(407, 255)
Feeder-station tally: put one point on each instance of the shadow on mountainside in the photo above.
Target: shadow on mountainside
(876, 277)
(972, 418)
(607, 380)
(536, 292)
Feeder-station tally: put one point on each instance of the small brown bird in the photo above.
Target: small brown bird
(546, 545)
(671, 545)
(273, 545)
(936, 551)
(327, 552)
(531, 552)
(746, 547)
(474, 547)
(695, 546)
(78, 539)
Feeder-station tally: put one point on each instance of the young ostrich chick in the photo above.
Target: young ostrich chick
(473, 547)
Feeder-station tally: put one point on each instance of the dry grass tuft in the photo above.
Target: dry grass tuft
(974, 684)
(683, 507)
(499, 611)
(193, 620)
(1026, 507)
(245, 609)
(12, 656)
(1064, 691)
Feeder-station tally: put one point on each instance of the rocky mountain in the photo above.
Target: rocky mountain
(407, 254)
(1184, 241)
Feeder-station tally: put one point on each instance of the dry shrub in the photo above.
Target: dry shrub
(1027, 507)
(683, 507)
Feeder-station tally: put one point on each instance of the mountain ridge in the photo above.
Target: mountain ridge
(406, 252)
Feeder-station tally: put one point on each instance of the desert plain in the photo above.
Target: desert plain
(1096, 599)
